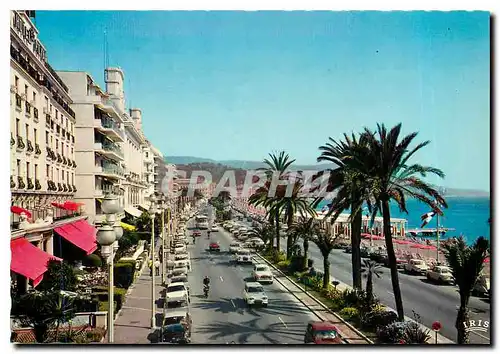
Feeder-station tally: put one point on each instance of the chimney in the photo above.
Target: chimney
(136, 115)
(114, 86)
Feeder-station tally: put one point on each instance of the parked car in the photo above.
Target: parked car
(416, 266)
(214, 228)
(180, 279)
(262, 273)
(179, 271)
(322, 333)
(482, 286)
(214, 246)
(176, 293)
(254, 294)
(176, 327)
(441, 274)
(234, 247)
(183, 263)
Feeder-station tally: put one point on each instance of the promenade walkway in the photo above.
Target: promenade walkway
(133, 323)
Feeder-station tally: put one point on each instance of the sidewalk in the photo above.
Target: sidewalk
(133, 323)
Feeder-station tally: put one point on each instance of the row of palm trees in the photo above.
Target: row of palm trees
(373, 168)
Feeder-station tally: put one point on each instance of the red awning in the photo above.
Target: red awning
(71, 205)
(81, 236)
(18, 210)
(29, 260)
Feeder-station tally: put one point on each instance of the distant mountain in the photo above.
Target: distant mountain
(185, 160)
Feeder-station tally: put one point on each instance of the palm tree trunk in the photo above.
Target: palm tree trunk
(305, 245)
(356, 251)
(462, 316)
(289, 239)
(392, 260)
(369, 286)
(277, 220)
(326, 271)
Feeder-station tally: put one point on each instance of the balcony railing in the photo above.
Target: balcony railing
(113, 147)
(110, 168)
(104, 189)
(110, 124)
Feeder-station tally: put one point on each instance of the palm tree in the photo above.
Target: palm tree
(277, 163)
(325, 242)
(264, 232)
(392, 178)
(349, 181)
(371, 268)
(306, 229)
(466, 263)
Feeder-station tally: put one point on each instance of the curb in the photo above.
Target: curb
(351, 327)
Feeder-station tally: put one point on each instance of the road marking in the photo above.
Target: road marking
(284, 324)
(480, 335)
(390, 292)
(222, 280)
(232, 303)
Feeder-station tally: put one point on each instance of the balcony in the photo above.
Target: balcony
(100, 191)
(109, 170)
(109, 128)
(109, 150)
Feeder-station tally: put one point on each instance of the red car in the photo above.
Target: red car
(322, 333)
(197, 233)
(214, 246)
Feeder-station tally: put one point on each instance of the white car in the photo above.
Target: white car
(180, 249)
(179, 271)
(256, 242)
(254, 294)
(214, 228)
(176, 293)
(181, 256)
(183, 263)
(180, 279)
(262, 273)
(440, 274)
(234, 247)
(416, 266)
(243, 256)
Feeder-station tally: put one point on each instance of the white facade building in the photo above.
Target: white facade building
(99, 146)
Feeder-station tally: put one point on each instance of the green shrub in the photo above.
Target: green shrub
(415, 334)
(392, 333)
(349, 313)
(285, 264)
(124, 274)
(377, 318)
(92, 260)
(296, 263)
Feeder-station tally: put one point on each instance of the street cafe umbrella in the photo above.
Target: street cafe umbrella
(18, 210)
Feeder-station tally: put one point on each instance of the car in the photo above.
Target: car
(179, 271)
(322, 333)
(176, 293)
(243, 256)
(262, 273)
(181, 256)
(416, 266)
(254, 294)
(176, 327)
(482, 286)
(183, 263)
(180, 279)
(234, 247)
(243, 236)
(441, 274)
(256, 242)
(400, 262)
(197, 233)
(214, 246)
(214, 228)
(179, 249)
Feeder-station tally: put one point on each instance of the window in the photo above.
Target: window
(17, 126)
(62, 175)
(16, 81)
(47, 138)
(51, 141)
(57, 115)
(36, 171)
(57, 145)
(52, 173)
(57, 173)
(71, 151)
(18, 165)
(50, 109)
(67, 177)
(34, 98)
(26, 90)
(47, 171)
(27, 131)
(73, 179)
(35, 135)
(28, 169)
(46, 102)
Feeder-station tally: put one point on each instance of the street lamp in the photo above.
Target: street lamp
(152, 214)
(108, 236)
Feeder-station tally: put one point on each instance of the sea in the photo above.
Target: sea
(467, 215)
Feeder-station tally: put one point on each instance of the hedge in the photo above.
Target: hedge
(124, 272)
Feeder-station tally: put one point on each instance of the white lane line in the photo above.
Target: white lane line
(233, 303)
(480, 335)
(284, 324)
(222, 280)
(391, 293)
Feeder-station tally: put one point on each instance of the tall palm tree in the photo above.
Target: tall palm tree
(305, 229)
(325, 242)
(349, 181)
(265, 232)
(466, 263)
(277, 163)
(370, 269)
(392, 178)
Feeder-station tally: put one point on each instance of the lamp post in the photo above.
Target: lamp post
(108, 236)
(152, 213)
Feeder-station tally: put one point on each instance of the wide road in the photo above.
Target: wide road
(431, 301)
(223, 317)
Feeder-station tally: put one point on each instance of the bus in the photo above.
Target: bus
(202, 222)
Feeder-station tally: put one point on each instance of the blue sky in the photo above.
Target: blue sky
(238, 85)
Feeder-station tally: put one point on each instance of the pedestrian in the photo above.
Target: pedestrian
(157, 267)
(150, 264)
